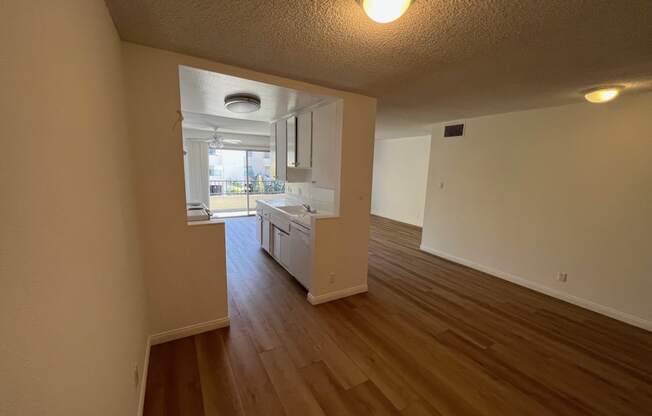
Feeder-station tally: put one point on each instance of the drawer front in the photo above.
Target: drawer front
(280, 222)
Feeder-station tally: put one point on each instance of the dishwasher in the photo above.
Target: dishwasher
(300, 258)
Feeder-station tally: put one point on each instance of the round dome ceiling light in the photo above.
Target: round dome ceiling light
(242, 103)
(602, 95)
(385, 11)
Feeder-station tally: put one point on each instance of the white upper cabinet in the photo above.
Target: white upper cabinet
(281, 150)
(304, 140)
(308, 147)
(291, 124)
(272, 147)
(326, 131)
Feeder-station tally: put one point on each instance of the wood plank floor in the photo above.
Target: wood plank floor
(430, 338)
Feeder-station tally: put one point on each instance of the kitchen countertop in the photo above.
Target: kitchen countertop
(284, 202)
(303, 219)
(206, 222)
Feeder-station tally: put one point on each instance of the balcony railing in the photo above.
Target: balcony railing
(224, 187)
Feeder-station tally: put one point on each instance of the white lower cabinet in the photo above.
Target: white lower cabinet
(259, 229)
(281, 247)
(287, 242)
(266, 240)
(300, 257)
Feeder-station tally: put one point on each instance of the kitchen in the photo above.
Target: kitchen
(304, 151)
(303, 140)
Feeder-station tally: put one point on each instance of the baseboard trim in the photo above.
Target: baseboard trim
(575, 300)
(143, 377)
(338, 294)
(409, 224)
(171, 335)
(189, 330)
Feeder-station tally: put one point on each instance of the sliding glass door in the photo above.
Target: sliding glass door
(261, 185)
(237, 179)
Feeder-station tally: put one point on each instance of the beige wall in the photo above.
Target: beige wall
(400, 173)
(73, 315)
(185, 266)
(340, 251)
(568, 189)
(188, 286)
(72, 302)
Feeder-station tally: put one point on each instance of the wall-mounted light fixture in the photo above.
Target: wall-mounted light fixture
(384, 11)
(603, 94)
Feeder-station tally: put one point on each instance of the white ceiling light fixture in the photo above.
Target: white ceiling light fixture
(385, 11)
(242, 103)
(603, 94)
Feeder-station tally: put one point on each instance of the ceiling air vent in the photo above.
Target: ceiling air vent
(454, 130)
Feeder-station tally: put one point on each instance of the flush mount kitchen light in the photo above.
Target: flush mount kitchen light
(602, 95)
(385, 11)
(242, 103)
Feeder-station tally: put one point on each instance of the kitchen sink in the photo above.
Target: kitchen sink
(294, 209)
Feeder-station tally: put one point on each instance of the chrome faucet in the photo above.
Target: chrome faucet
(309, 208)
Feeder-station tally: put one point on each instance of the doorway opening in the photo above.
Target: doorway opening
(248, 144)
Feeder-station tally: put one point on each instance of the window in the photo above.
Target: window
(238, 178)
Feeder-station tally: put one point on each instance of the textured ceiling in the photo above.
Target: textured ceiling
(443, 60)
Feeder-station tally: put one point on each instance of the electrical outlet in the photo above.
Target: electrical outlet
(562, 277)
(331, 278)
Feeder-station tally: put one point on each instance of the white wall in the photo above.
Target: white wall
(568, 189)
(321, 199)
(400, 173)
(72, 303)
(184, 266)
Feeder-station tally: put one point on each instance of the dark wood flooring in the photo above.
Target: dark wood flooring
(430, 338)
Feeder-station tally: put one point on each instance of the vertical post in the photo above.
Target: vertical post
(247, 179)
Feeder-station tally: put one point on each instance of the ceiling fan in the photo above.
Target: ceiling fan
(217, 142)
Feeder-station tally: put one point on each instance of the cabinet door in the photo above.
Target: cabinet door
(325, 146)
(304, 140)
(281, 150)
(259, 229)
(284, 256)
(272, 148)
(266, 237)
(277, 246)
(299, 260)
(291, 125)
